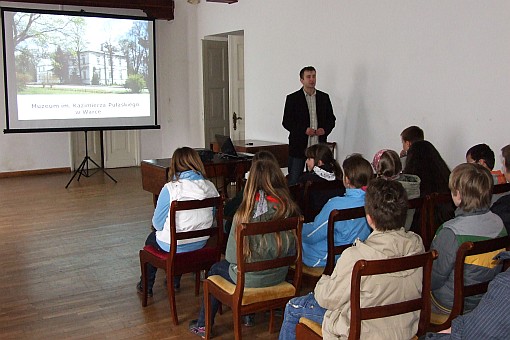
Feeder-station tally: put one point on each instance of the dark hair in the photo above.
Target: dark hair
(307, 68)
(412, 134)
(505, 152)
(424, 161)
(482, 151)
(322, 152)
(358, 170)
(474, 183)
(389, 164)
(264, 155)
(386, 203)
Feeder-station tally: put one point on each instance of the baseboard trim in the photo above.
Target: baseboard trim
(35, 172)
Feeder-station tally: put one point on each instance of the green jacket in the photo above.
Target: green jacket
(263, 247)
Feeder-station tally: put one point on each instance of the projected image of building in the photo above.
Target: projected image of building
(93, 68)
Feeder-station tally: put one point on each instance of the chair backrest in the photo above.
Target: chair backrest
(421, 205)
(333, 250)
(216, 228)
(377, 267)
(501, 188)
(332, 147)
(461, 290)
(312, 188)
(436, 203)
(294, 224)
(296, 192)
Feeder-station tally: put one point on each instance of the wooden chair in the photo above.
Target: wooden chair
(420, 204)
(249, 300)
(311, 275)
(334, 250)
(189, 262)
(493, 246)
(501, 188)
(305, 328)
(436, 201)
(332, 147)
(316, 188)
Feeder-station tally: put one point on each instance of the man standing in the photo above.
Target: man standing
(309, 118)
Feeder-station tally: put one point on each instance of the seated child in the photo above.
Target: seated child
(483, 154)
(322, 167)
(357, 174)
(489, 320)
(471, 189)
(408, 136)
(187, 182)
(266, 197)
(501, 206)
(233, 204)
(329, 304)
(387, 165)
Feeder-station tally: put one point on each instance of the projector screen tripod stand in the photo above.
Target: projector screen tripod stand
(83, 169)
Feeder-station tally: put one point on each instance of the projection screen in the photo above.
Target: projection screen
(69, 71)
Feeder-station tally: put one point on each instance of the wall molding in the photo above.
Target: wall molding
(155, 9)
(35, 172)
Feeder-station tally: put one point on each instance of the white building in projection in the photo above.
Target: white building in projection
(95, 68)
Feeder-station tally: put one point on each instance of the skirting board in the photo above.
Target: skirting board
(34, 172)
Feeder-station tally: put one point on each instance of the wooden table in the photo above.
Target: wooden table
(280, 150)
(155, 172)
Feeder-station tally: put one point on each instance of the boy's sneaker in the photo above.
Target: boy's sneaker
(139, 289)
(195, 329)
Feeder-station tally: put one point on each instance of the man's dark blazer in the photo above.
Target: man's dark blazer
(296, 119)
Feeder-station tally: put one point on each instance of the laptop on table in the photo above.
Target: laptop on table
(227, 148)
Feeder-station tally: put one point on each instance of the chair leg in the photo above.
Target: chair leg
(143, 267)
(171, 297)
(271, 321)
(207, 305)
(197, 283)
(237, 323)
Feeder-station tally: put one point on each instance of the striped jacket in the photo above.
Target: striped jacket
(466, 226)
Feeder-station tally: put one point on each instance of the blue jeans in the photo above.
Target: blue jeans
(301, 306)
(221, 269)
(296, 168)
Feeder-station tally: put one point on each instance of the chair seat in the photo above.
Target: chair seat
(187, 259)
(254, 295)
(313, 271)
(314, 326)
(438, 319)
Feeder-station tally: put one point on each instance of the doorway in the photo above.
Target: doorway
(223, 81)
(121, 148)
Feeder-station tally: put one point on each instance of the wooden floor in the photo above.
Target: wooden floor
(69, 263)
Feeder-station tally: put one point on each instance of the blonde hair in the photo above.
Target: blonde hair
(474, 183)
(184, 159)
(265, 175)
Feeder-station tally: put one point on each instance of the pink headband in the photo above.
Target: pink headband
(377, 158)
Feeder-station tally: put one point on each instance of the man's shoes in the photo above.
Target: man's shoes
(139, 289)
(195, 329)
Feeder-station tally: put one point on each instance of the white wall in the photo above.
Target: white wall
(442, 65)
(387, 64)
(178, 111)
